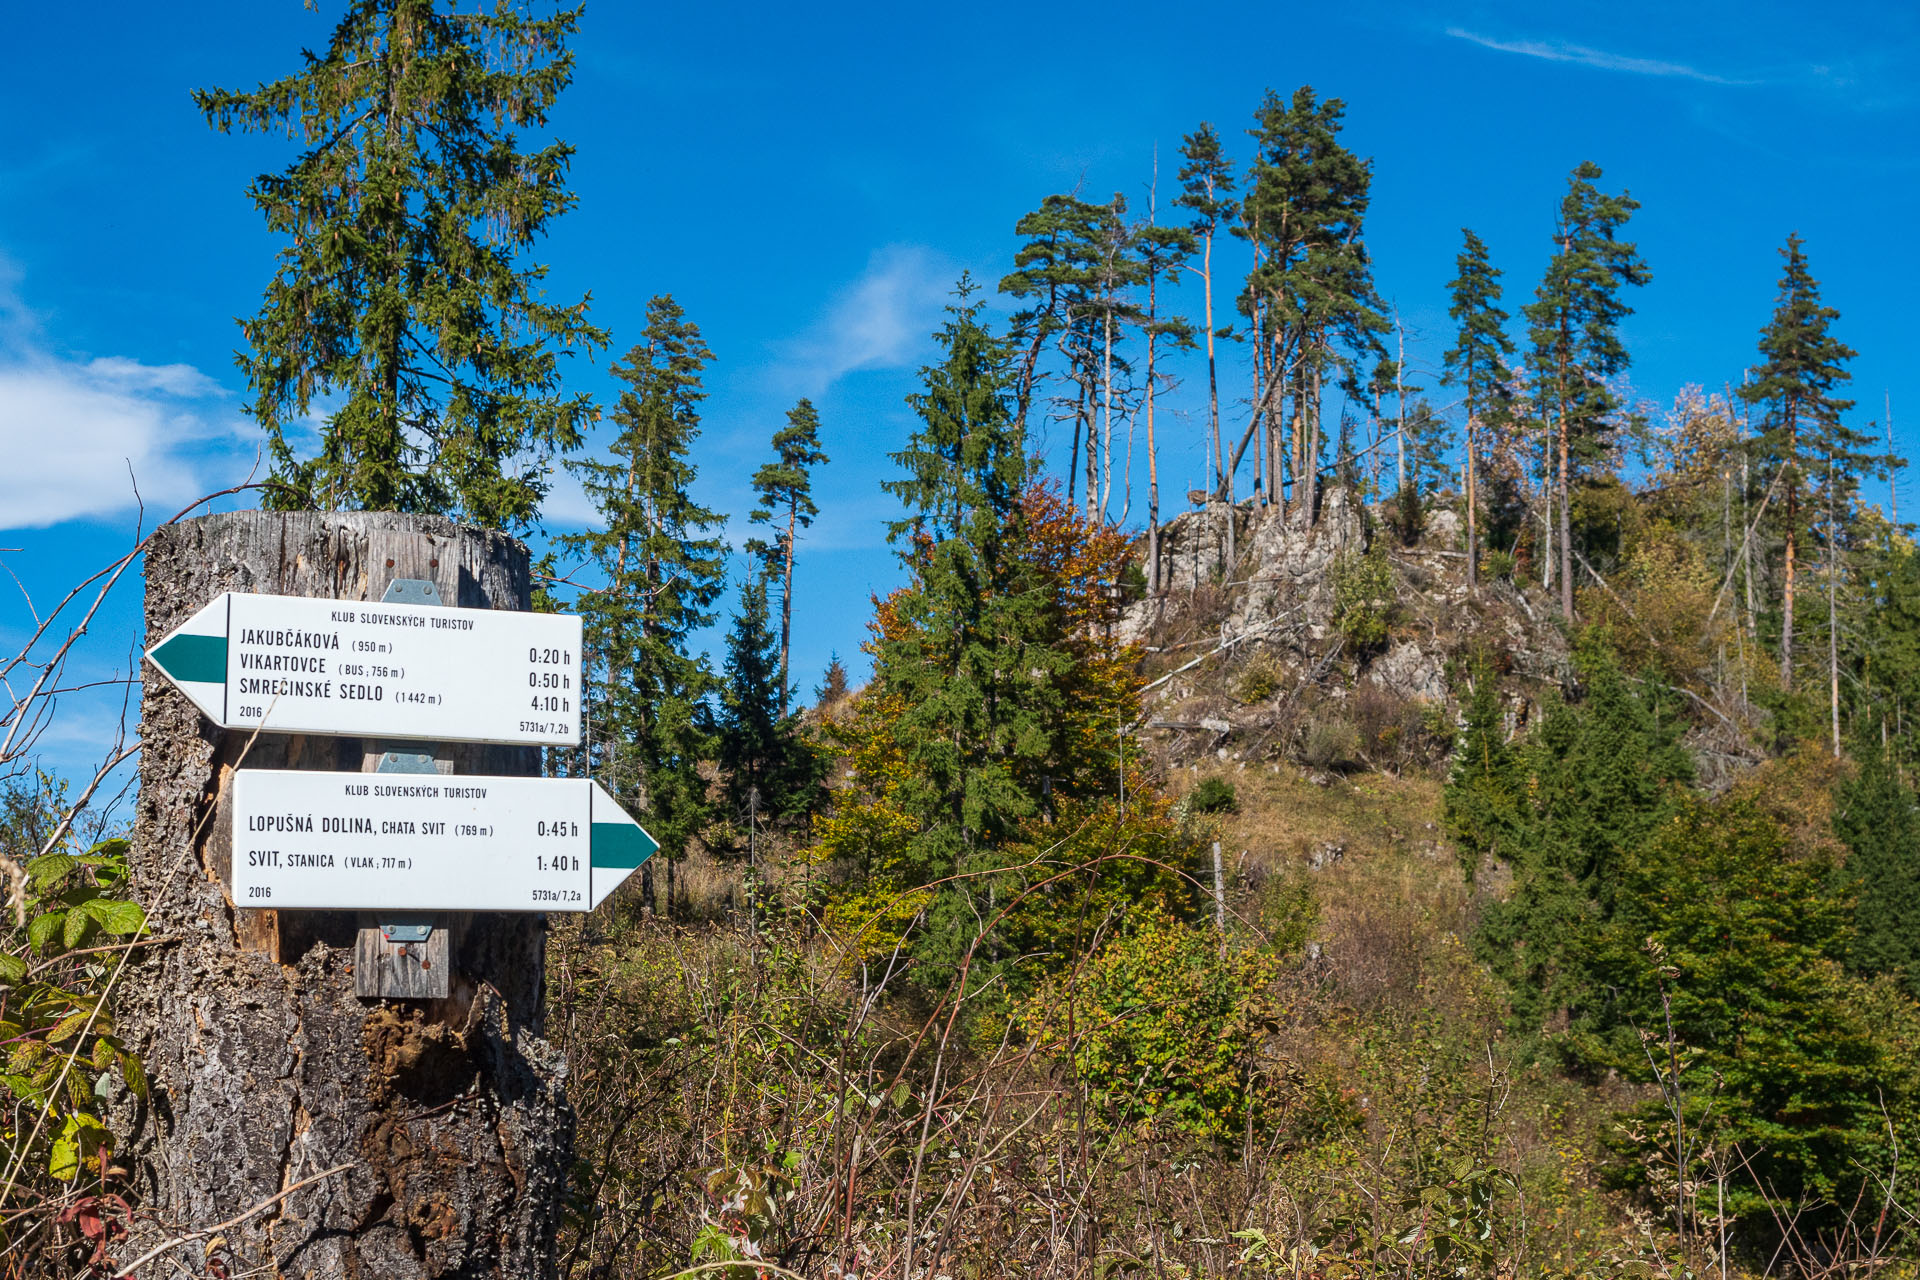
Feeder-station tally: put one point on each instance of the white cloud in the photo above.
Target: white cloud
(77, 437)
(1559, 51)
(882, 320)
(167, 379)
(566, 505)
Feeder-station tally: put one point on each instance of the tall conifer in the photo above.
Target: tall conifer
(1477, 363)
(403, 301)
(1206, 189)
(1574, 323)
(661, 571)
(785, 487)
(1056, 275)
(1875, 815)
(1802, 367)
(1162, 252)
(1311, 289)
(770, 769)
(971, 660)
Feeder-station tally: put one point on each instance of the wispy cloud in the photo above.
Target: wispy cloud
(882, 320)
(79, 435)
(1560, 51)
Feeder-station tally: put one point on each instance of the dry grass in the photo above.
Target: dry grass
(1392, 903)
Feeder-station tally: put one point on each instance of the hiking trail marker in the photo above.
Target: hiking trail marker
(296, 664)
(307, 839)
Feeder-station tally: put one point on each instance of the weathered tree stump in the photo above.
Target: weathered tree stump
(265, 1068)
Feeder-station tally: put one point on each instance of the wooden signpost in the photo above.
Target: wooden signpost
(440, 1121)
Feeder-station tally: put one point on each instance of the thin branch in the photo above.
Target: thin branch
(234, 1221)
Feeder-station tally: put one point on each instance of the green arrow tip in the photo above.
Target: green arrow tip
(193, 659)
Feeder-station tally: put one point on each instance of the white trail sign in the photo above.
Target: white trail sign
(291, 664)
(428, 842)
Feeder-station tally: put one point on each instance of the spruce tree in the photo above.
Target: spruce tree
(1880, 630)
(1802, 367)
(1875, 816)
(1477, 363)
(1574, 325)
(785, 487)
(404, 302)
(972, 660)
(1429, 439)
(1726, 938)
(770, 769)
(1590, 784)
(1483, 791)
(661, 571)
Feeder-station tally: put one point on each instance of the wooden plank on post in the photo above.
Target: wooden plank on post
(407, 969)
(402, 970)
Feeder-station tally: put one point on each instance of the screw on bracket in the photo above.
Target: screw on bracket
(406, 931)
(412, 591)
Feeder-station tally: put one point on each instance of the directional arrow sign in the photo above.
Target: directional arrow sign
(428, 842)
(292, 664)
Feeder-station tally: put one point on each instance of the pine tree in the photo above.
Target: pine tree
(1802, 366)
(786, 493)
(1056, 273)
(1162, 252)
(661, 572)
(1206, 188)
(1118, 269)
(1311, 291)
(770, 769)
(1876, 817)
(1477, 363)
(403, 301)
(1574, 324)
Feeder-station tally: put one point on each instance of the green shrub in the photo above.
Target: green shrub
(1363, 597)
(62, 1046)
(1167, 1030)
(1259, 679)
(1214, 795)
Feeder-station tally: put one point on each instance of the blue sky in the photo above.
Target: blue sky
(808, 183)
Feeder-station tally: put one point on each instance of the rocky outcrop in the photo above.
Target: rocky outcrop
(1256, 655)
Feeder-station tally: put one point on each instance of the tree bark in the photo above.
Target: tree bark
(786, 600)
(1566, 527)
(1833, 614)
(1470, 481)
(265, 1068)
(1213, 379)
(1793, 544)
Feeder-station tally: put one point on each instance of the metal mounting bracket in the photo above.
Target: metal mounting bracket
(412, 591)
